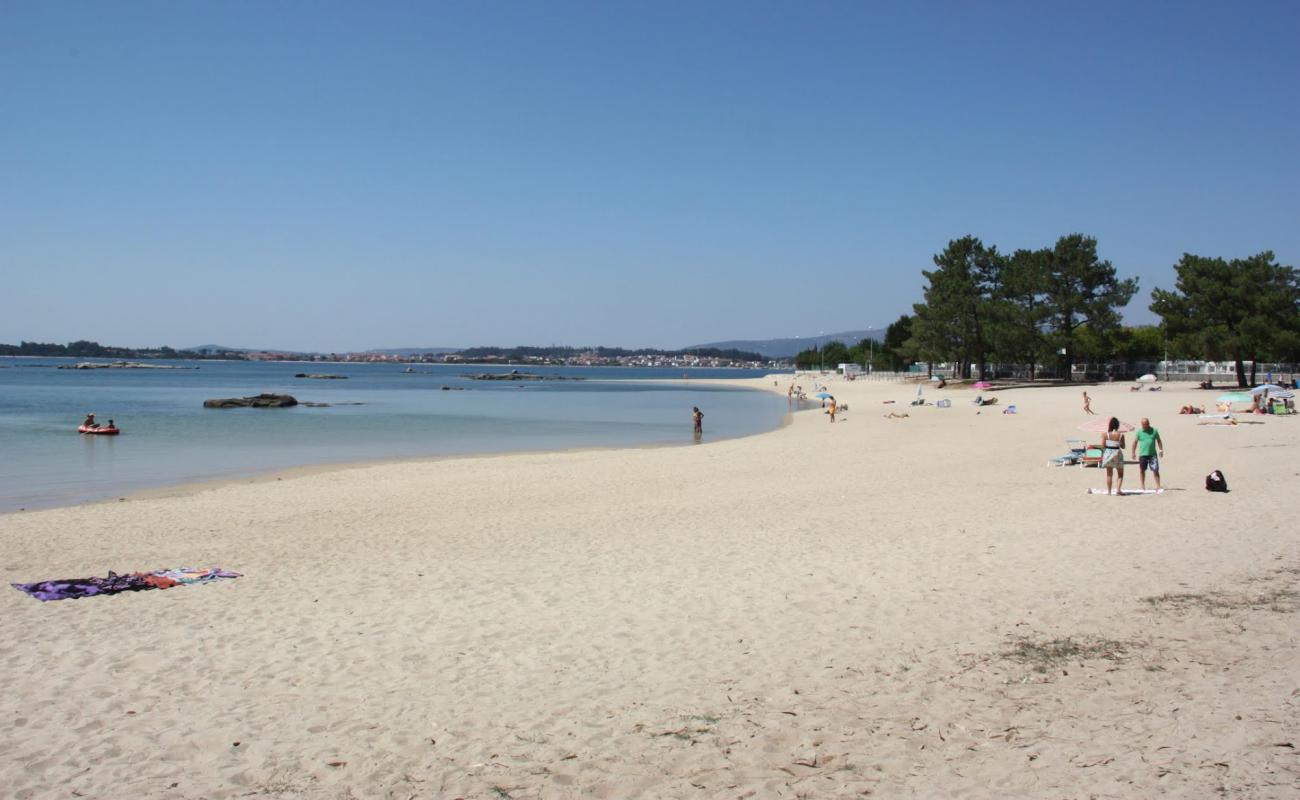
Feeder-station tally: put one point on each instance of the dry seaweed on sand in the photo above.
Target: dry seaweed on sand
(1047, 654)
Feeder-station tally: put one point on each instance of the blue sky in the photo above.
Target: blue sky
(334, 176)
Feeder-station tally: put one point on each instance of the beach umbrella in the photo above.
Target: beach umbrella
(1099, 425)
(1285, 394)
(1148, 378)
(1271, 388)
(982, 385)
(1234, 397)
(825, 395)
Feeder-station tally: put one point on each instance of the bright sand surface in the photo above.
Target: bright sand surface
(916, 607)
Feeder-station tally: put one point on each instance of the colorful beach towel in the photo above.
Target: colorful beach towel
(73, 588)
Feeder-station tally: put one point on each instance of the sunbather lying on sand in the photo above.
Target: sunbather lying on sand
(1190, 409)
(893, 415)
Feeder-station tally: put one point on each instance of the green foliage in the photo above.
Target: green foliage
(1244, 309)
(1019, 308)
(1141, 343)
(828, 356)
(834, 353)
(952, 323)
(86, 349)
(897, 356)
(1080, 289)
(981, 305)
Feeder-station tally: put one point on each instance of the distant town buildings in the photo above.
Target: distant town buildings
(589, 358)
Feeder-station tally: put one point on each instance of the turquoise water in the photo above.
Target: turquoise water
(168, 438)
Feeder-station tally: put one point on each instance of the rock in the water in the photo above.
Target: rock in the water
(321, 376)
(120, 365)
(257, 401)
(516, 375)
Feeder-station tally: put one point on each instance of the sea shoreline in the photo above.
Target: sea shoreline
(190, 487)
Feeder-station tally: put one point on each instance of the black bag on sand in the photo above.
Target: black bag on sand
(1215, 482)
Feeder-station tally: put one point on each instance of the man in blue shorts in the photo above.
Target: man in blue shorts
(1145, 443)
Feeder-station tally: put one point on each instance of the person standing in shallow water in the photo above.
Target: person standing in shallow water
(697, 416)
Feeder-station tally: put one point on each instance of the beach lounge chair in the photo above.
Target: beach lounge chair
(1091, 457)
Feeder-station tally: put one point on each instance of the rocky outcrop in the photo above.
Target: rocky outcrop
(257, 401)
(516, 375)
(121, 365)
(321, 376)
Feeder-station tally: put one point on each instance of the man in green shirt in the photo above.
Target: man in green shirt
(1145, 443)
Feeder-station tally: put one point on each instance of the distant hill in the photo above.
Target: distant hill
(788, 348)
(411, 351)
(216, 348)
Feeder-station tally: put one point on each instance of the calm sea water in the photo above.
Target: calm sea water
(168, 437)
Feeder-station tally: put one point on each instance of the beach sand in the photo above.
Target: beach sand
(916, 607)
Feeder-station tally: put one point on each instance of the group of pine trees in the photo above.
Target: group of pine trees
(1059, 305)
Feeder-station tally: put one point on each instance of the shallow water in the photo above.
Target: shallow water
(168, 437)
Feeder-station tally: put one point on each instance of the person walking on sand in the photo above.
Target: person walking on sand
(1145, 443)
(1112, 455)
(697, 416)
(1087, 404)
(831, 409)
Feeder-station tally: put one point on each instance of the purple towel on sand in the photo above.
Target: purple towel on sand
(72, 588)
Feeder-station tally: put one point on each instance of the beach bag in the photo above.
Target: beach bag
(1215, 482)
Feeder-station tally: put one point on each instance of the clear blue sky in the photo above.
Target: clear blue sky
(332, 176)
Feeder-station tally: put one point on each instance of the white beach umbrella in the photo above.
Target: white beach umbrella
(1148, 378)
(1271, 388)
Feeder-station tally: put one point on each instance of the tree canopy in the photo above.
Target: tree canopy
(1243, 309)
(952, 324)
(981, 305)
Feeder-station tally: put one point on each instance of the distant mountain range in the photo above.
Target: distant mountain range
(788, 348)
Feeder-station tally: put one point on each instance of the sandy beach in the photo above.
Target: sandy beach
(918, 607)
